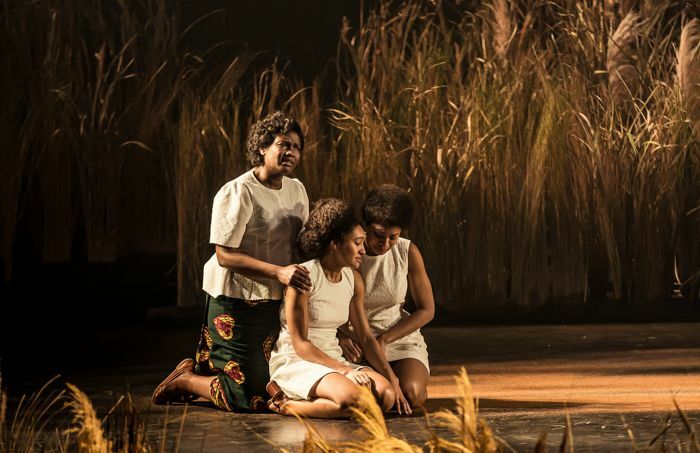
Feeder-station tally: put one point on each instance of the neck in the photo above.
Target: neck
(268, 178)
(368, 250)
(331, 268)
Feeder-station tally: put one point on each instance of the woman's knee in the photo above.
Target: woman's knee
(387, 398)
(348, 397)
(384, 392)
(339, 389)
(415, 394)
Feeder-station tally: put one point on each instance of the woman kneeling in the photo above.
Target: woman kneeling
(307, 363)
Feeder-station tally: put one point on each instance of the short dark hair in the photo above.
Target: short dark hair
(329, 220)
(388, 205)
(263, 133)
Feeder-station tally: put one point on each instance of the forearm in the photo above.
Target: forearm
(245, 264)
(309, 352)
(407, 325)
(376, 357)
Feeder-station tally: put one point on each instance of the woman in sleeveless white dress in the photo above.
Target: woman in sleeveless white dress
(306, 362)
(392, 266)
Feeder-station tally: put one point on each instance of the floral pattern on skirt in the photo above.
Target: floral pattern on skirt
(217, 395)
(232, 347)
(233, 370)
(224, 326)
(204, 347)
(269, 343)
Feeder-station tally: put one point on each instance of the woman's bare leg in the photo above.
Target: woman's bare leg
(333, 395)
(382, 390)
(413, 378)
(196, 384)
(187, 384)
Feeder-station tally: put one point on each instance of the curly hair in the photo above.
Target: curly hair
(329, 220)
(263, 133)
(388, 205)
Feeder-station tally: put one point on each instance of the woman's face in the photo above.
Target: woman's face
(380, 238)
(352, 248)
(283, 155)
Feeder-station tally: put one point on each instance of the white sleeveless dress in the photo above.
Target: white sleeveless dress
(386, 284)
(329, 308)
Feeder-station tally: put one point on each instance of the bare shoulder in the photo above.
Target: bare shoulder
(415, 259)
(359, 283)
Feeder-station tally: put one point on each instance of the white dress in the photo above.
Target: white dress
(386, 284)
(328, 307)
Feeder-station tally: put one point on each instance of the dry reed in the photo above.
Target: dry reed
(547, 151)
(377, 437)
(122, 430)
(209, 151)
(473, 433)
(86, 427)
(23, 429)
(623, 74)
(688, 70)
(503, 29)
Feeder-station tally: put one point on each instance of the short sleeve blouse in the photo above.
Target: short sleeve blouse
(260, 222)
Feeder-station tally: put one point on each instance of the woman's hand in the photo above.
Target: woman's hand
(296, 276)
(351, 349)
(401, 404)
(359, 377)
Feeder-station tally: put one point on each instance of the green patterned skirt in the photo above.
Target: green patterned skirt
(235, 343)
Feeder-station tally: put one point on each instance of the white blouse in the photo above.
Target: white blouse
(261, 222)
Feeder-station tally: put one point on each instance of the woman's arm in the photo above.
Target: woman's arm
(373, 351)
(297, 312)
(234, 259)
(422, 294)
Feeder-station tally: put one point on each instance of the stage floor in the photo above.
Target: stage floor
(526, 378)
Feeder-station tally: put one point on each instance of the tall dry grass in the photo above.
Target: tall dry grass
(688, 81)
(90, 86)
(208, 152)
(24, 428)
(688, 71)
(433, 110)
(473, 433)
(55, 419)
(85, 426)
(537, 140)
(550, 147)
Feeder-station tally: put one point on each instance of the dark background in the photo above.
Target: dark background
(303, 33)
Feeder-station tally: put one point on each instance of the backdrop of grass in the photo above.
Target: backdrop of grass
(552, 149)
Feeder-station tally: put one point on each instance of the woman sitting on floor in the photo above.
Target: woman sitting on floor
(392, 266)
(309, 376)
